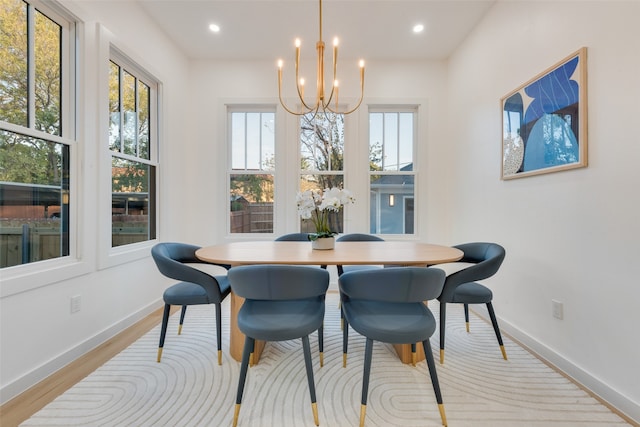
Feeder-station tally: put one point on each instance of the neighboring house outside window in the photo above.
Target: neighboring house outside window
(133, 136)
(251, 176)
(37, 133)
(392, 173)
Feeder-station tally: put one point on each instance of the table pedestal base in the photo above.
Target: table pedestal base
(404, 352)
(237, 338)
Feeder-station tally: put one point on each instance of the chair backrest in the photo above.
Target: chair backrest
(393, 284)
(487, 258)
(278, 282)
(171, 257)
(293, 237)
(359, 237)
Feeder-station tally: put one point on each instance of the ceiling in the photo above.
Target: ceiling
(367, 29)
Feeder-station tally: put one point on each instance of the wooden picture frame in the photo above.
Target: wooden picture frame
(544, 121)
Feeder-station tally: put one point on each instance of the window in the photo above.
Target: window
(251, 178)
(391, 171)
(36, 133)
(133, 106)
(322, 159)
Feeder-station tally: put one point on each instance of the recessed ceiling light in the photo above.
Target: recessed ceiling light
(214, 28)
(418, 28)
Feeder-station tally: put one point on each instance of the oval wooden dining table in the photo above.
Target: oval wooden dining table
(405, 253)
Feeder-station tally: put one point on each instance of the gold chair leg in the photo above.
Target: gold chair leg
(413, 358)
(442, 414)
(363, 413)
(236, 412)
(179, 329)
(504, 353)
(251, 359)
(321, 359)
(344, 360)
(314, 408)
(219, 357)
(441, 356)
(467, 325)
(159, 354)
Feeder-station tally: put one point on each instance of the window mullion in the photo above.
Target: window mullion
(398, 142)
(136, 129)
(67, 36)
(260, 149)
(31, 66)
(383, 161)
(246, 141)
(120, 108)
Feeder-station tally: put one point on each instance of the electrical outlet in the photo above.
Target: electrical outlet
(557, 309)
(75, 303)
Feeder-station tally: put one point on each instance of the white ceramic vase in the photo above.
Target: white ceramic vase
(324, 243)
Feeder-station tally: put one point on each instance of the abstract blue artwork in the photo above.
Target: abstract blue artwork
(544, 121)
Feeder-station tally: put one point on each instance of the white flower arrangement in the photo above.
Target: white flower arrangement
(316, 205)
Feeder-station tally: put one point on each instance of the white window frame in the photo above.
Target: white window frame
(110, 49)
(24, 277)
(356, 155)
(250, 108)
(399, 108)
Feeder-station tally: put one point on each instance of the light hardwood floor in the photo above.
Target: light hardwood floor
(31, 401)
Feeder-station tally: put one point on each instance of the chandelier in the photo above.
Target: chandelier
(322, 102)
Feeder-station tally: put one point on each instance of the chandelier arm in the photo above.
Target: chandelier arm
(335, 75)
(326, 104)
(295, 113)
(285, 105)
(320, 15)
(298, 86)
(290, 111)
(304, 104)
(349, 111)
(328, 107)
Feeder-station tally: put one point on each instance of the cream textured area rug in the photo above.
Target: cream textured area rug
(188, 388)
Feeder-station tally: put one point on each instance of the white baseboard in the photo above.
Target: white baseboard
(583, 378)
(38, 374)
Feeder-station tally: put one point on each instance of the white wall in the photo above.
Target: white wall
(216, 84)
(39, 334)
(570, 236)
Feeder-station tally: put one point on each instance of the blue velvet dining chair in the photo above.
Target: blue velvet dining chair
(462, 286)
(304, 237)
(295, 237)
(387, 305)
(282, 302)
(195, 286)
(357, 237)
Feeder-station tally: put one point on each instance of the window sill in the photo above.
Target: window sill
(26, 277)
